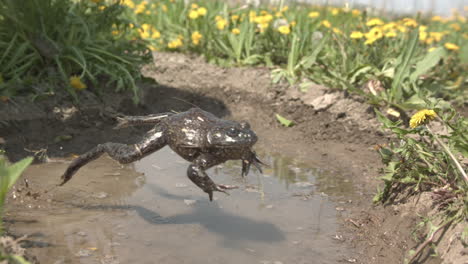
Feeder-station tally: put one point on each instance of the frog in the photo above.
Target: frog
(196, 135)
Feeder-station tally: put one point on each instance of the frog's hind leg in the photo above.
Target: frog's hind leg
(125, 121)
(122, 153)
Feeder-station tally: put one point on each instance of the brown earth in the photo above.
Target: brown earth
(340, 137)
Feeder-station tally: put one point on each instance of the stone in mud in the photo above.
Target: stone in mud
(323, 102)
(110, 259)
(189, 202)
(100, 195)
(304, 184)
(84, 253)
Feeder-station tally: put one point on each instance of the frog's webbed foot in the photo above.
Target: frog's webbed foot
(252, 159)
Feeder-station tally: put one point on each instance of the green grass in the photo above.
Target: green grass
(48, 41)
(408, 56)
(9, 174)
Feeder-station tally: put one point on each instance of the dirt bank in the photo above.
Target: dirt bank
(339, 137)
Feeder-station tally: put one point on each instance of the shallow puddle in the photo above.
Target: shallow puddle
(111, 214)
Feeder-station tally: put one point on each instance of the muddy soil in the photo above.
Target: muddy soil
(338, 141)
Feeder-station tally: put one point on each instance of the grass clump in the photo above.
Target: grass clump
(9, 174)
(47, 44)
(428, 160)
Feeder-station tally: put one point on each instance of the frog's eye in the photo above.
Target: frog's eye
(245, 125)
(232, 132)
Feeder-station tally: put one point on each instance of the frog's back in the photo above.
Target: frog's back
(189, 129)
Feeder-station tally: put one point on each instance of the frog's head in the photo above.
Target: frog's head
(232, 134)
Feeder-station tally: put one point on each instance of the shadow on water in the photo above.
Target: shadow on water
(207, 214)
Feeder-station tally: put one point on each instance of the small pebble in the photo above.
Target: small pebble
(100, 195)
(303, 184)
(84, 253)
(189, 202)
(109, 259)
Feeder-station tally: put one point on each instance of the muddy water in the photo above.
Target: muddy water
(149, 212)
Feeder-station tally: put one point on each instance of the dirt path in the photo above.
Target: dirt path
(340, 139)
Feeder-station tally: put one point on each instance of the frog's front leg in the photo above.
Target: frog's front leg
(123, 153)
(196, 173)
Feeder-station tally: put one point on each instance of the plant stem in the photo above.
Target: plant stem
(447, 150)
(429, 240)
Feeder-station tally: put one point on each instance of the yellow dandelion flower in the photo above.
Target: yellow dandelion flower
(252, 15)
(175, 43)
(375, 33)
(146, 27)
(102, 7)
(144, 34)
(356, 12)
(75, 82)
(455, 26)
(196, 37)
(155, 34)
(431, 49)
(115, 32)
(194, 6)
(409, 22)
(221, 23)
(140, 8)
(284, 9)
(164, 8)
(451, 46)
(423, 36)
(262, 27)
(422, 117)
(152, 47)
(285, 30)
(389, 26)
(314, 14)
(429, 41)
(335, 11)
(193, 14)
(402, 29)
(436, 18)
(391, 34)
(129, 3)
(437, 36)
(422, 28)
(337, 30)
(234, 18)
(374, 22)
(278, 14)
(235, 31)
(326, 23)
(356, 35)
(202, 11)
